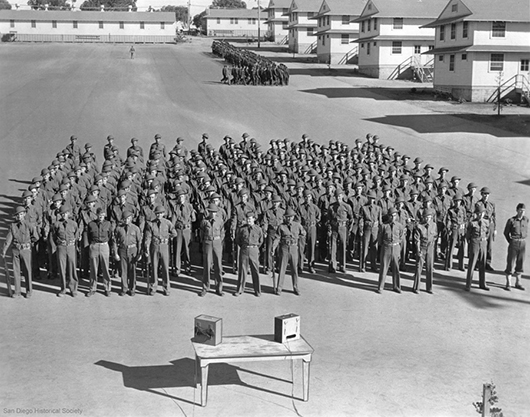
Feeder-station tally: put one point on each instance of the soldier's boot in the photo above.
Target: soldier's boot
(507, 287)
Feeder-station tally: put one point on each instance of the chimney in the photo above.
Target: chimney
(46, 7)
(102, 8)
(130, 8)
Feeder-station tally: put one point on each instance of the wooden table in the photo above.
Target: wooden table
(249, 349)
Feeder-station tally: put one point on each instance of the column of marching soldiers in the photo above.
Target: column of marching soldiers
(293, 205)
(248, 68)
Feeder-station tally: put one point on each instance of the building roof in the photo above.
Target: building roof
(303, 25)
(277, 20)
(338, 31)
(229, 13)
(396, 38)
(479, 10)
(480, 48)
(420, 9)
(279, 4)
(301, 6)
(340, 7)
(86, 16)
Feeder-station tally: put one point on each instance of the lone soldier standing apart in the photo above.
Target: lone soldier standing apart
(477, 236)
(132, 50)
(515, 233)
(127, 241)
(249, 238)
(289, 233)
(66, 233)
(21, 235)
(425, 234)
(157, 235)
(99, 236)
(211, 231)
(390, 237)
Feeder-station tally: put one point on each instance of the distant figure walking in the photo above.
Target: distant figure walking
(132, 51)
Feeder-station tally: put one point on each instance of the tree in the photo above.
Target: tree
(52, 4)
(228, 4)
(197, 19)
(181, 12)
(117, 5)
(4, 4)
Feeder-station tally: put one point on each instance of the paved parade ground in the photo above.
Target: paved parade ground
(375, 354)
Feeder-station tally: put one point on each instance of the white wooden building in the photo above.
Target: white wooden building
(301, 27)
(88, 26)
(277, 20)
(479, 45)
(234, 23)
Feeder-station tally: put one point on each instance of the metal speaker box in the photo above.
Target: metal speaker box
(208, 330)
(287, 328)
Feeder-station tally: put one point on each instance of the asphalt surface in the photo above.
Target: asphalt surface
(375, 355)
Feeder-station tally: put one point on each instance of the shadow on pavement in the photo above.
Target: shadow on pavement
(445, 123)
(371, 93)
(525, 182)
(326, 72)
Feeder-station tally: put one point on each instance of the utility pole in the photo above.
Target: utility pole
(259, 25)
(189, 17)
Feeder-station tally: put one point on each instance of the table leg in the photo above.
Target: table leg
(204, 385)
(305, 378)
(197, 371)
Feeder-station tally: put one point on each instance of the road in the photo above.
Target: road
(376, 355)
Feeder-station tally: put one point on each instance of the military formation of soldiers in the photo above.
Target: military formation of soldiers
(293, 205)
(248, 68)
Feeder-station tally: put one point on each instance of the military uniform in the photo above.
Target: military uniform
(477, 236)
(211, 230)
(127, 247)
(390, 236)
(249, 238)
(66, 234)
(425, 234)
(515, 232)
(289, 236)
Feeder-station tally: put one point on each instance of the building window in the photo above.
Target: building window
(345, 19)
(284, 25)
(121, 25)
(362, 26)
(498, 29)
(344, 38)
(362, 45)
(454, 7)
(309, 31)
(453, 30)
(285, 11)
(218, 21)
(375, 43)
(231, 20)
(54, 24)
(236, 20)
(396, 47)
(442, 33)
(368, 24)
(33, 23)
(375, 23)
(464, 57)
(101, 24)
(368, 48)
(464, 29)
(497, 62)
(249, 21)
(12, 23)
(398, 23)
(525, 65)
(417, 49)
(441, 58)
(74, 24)
(327, 20)
(323, 41)
(369, 6)
(431, 47)
(142, 25)
(451, 62)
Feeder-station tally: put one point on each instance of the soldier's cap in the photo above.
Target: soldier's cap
(209, 146)
(94, 188)
(55, 162)
(127, 213)
(122, 192)
(160, 209)
(479, 208)
(36, 179)
(44, 171)
(387, 187)
(289, 212)
(375, 137)
(291, 182)
(98, 178)
(429, 180)
(243, 191)
(457, 197)
(26, 194)
(427, 198)
(418, 174)
(63, 187)
(471, 185)
(485, 190)
(429, 212)
(269, 189)
(392, 168)
(443, 169)
(88, 145)
(210, 189)
(312, 172)
(72, 174)
(212, 208)
(239, 180)
(304, 136)
(20, 209)
(358, 140)
(100, 210)
(418, 160)
(300, 184)
(205, 136)
(414, 192)
(152, 191)
(400, 199)
(125, 184)
(405, 157)
(86, 156)
(428, 166)
(276, 199)
(64, 209)
(157, 136)
(182, 191)
(215, 195)
(391, 211)
(57, 197)
(250, 214)
(455, 178)
(90, 199)
(244, 135)
(32, 187)
(339, 191)
(262, 182)
(521, 206)
(110, 137)
(308, 192)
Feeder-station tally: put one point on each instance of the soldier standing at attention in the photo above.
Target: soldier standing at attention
(157, 235)
(310, 217)
(157, 146)
(66, 233)
(127, 251)
(183, 217)
(99, 236)
(249, 238)
(21, 235)
(289, 233)
(390, 236)
(477, 236)
(211, 235)
(339, 216)
(515, 232)
(425, 234)
(131, 51)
